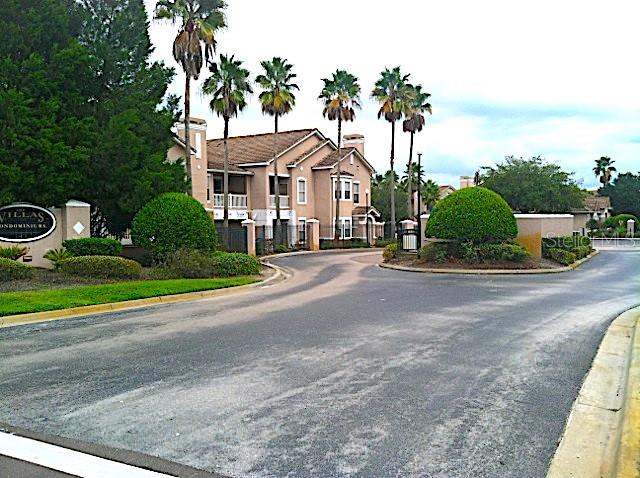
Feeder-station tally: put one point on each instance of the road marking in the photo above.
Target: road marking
(68, 461)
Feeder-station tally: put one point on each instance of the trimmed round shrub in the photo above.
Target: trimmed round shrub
(229, 264)
(390, 251)
(472, 214)
(102, 267)
(170, 222)
(12, 270)
(93, 246)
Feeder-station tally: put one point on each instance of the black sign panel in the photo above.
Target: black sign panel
(25, 223)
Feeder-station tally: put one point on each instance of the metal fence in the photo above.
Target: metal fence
(232, 238)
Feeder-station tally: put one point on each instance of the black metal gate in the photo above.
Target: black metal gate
(233, 238)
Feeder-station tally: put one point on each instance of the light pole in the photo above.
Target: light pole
(420, 233)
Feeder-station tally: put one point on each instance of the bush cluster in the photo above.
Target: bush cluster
(347, 244)
(562, 256)
(581, 251)
(170, 222)
(390, 251)
(13, 270)
(438, 251)
(566, 243)
(620, 222)
(57, 255)
(472, 214)
(104, 267)
(192, 264)
(93, 246)
(473, 253)
(13, 252)
(503, 252)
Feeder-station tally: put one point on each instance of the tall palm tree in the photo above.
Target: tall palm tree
(200, 20)
(340, 95)
(392, 92)
(229, 84)
(430, 193)
(604, 169)
(414, 121)
(277, 99)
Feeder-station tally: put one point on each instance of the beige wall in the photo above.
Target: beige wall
(197, 165)
(532, 228)
(66, 218)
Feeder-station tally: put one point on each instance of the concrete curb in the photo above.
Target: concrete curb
(573, 266)
(325, 251)
(23, 319)
(602, 433)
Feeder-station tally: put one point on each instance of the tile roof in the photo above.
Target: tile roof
(362, 211)
(595, 202)
(257, 148)
(309, 151)
(332, 158)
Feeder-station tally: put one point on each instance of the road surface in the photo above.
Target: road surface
(344, 370)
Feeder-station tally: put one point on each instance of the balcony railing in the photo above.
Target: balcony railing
(284, 201)
(236, 201)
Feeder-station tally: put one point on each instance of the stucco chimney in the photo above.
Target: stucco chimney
(466, 182)
(354, 141)
(198, 161)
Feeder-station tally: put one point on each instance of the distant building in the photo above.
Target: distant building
(594, 207)
(445, 190)
(466, 182)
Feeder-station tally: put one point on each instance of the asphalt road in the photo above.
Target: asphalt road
(344, 370)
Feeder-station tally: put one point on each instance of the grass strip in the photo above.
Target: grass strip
(24, 302)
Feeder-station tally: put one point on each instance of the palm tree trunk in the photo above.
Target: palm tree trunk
(338, 193)
(410, 177)
(225, 180)
(392, 183)
(187, 123)
(275, 168)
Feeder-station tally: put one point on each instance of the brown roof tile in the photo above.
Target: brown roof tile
(594, 202)
(256, 148)
(332, 158)
(312, 149)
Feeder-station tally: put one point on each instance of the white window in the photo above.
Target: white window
(198, 145)
(302, 191)
(345, 228)
(345, 190)
(356, 193)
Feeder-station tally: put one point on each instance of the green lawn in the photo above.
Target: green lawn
(23, 302)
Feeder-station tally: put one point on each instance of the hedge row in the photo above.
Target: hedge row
(566, 243)
(562, 256)
(191, 264)
(473, 253)
(12, 270)
(103, 267)
(93, 246)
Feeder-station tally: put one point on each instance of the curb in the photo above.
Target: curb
(602, 434)
(325, 251)
(573, 266)
(48, 316)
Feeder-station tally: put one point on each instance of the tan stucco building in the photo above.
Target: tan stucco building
(307, 177)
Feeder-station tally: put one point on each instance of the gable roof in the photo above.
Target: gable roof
(178, 140)
(594, 202)
(330, 160)
(309, 152)
(256, 148)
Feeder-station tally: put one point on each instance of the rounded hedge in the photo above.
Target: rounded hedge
(103, 267)
(620, 221)
(170, 222)
(472, 214)
(12, 270)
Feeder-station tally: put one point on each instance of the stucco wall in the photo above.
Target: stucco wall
(532, 228)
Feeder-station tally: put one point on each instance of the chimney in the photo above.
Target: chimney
(466, 182)
(354, 141)
(197, 163)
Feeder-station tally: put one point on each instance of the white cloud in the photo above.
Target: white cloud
(553, 78)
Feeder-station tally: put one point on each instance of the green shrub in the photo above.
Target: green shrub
(280, 249)
(592, 225)
(566, 243)
(13, 252)
(503, 252)
(170, 222)
(384, 242)
(103, 267)
(472, 214)
(581, 251)
(619, 222)
(440, 251)
(13, 270)
(57, 255)
(470, 252)
(192, 264)
(390, 251)
(93, 246)
(230, 264)
(562, 256)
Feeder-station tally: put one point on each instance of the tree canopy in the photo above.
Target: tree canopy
(86, 112)
(624, 192)
(533, 185)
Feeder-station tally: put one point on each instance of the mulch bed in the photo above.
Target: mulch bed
(411, 260)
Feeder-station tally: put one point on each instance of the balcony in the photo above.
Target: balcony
(284, 201)
(236, 201)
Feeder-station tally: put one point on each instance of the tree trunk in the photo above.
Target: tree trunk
(338, 192)
(392, 183)
(275, 168)
(410, 177)
(187, 123)
(225, 181)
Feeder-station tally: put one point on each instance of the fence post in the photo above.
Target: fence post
(250, 225)
(314, 236)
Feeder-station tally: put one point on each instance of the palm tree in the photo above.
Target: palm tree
(200, 19)
(229, 85)
(391, 91)
(277, 99)
(604, 169)
(414, 121)
(430, 193)
(340, 95)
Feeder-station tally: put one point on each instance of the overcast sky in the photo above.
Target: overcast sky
(554, 78)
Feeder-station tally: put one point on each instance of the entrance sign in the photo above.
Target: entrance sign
(25, 223)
